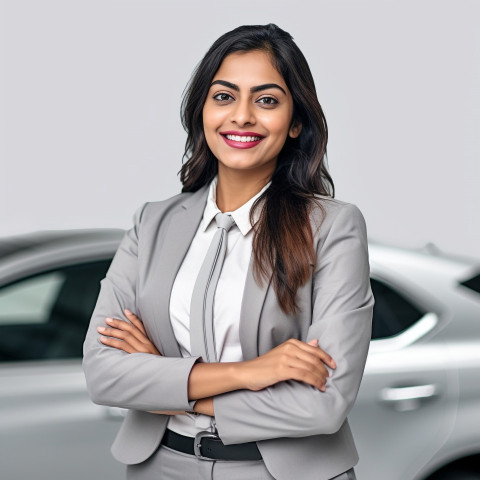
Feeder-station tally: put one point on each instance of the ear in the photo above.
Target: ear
(295, 130)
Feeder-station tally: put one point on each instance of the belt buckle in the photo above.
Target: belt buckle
(197, 444)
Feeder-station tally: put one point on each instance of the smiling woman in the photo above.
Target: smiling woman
(248, 105)
(235, 284)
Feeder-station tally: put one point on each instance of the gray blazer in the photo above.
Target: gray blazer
(301, 432)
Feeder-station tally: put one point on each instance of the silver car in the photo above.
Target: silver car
(417, 414)
(49, 428)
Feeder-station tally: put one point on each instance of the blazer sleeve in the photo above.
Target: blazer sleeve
(342, 308)
(138, 381)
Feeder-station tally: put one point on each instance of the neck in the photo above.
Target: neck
(235, 188)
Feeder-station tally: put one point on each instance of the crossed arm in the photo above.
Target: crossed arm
(292, 360)
(279, 394)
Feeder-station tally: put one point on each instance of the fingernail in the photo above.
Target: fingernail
(103, 339)
(128, 312)
(108, 320)
(101, 329)
(334, 365)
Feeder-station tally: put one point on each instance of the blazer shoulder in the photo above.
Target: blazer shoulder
(152, 212)
(333, 220)
(326, 210)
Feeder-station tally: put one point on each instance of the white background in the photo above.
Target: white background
(91, 90)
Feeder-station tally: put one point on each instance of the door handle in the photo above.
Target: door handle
(408, 398)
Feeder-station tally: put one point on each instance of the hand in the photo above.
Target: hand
(129, 337)
(292, 360)
(205, 406)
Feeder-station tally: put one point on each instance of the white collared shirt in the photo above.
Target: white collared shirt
(228, 295)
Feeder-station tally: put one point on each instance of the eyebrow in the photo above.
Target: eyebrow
(258, 88)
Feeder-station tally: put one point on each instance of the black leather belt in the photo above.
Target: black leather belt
(208, 446)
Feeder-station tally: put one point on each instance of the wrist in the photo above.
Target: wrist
(204, 406)
(196, 407)
(241, 373)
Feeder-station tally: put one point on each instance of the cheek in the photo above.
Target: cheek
(212, 119)
(278, 124)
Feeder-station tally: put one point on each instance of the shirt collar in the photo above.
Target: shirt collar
(241, 215)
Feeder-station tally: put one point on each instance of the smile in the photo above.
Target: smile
(241, 139)
(238, 138)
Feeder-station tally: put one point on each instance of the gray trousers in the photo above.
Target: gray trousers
(167, 464)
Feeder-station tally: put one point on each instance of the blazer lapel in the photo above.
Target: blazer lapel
(175, 244)
(178, 237)
(252, 304)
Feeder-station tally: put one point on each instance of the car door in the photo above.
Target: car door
(406, 406)
(49, 428)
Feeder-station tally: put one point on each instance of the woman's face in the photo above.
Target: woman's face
(247, 114)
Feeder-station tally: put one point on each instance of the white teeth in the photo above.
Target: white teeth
(238, 138)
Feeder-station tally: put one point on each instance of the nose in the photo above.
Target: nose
(243, 113)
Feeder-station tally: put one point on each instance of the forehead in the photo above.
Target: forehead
(249, 69)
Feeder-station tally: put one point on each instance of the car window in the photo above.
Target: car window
(30, 301)
(473, 283)
(46, 316)
(392, 313)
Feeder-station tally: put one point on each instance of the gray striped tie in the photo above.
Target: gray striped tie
(202, 334)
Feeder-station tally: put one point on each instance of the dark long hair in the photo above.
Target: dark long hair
(283, 237)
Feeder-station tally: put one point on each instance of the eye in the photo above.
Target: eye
(267, 101)
(222, 97)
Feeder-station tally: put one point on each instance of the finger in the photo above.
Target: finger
(294, 346)
(300, 373)
(314, 380)
(118, 344)
(124, 336)
(315, 350)
(135, 320)
(127, 327)
(300, 350)
(312, 363)
(292, 357)
(128, 332)
(112, 332)
(327, 358)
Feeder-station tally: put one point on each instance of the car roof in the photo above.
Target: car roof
(429, 250)
(13, 245)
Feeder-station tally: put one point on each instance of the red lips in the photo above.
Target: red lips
(239, 143)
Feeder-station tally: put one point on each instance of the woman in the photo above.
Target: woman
(220, 364)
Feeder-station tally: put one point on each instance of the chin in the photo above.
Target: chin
(240, 162)
(241, 166)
